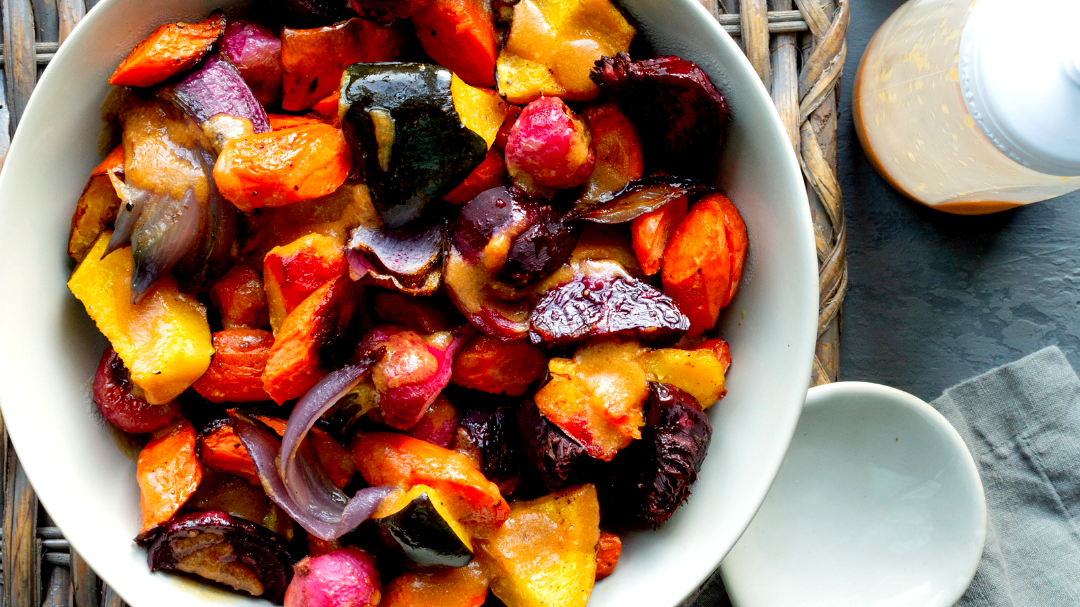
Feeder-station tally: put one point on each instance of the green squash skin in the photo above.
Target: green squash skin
(433, 151)
(425, 538)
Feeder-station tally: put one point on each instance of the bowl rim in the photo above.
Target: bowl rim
(833, 394)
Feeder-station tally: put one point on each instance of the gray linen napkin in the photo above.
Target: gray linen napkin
(1022, 425)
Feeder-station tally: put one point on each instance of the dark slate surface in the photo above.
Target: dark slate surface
(935, 298)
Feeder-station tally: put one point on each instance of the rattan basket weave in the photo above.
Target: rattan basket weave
(799, 55)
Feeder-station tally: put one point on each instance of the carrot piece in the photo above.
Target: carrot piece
(459, 587)
(697, 264)
(283, 167)
(490, 364)
(735, 228)
(460, 34)
(235, 373)
(170, 50)
(490, 174)
(280, 122)
(652, 232)
(608, 550)
(220, 450)
(312, 339)
(113, 162)
(294, 271)
(315, 59)
(328, 106)
(168, 474)
(240, 298)
(386, 458)
(620, 157)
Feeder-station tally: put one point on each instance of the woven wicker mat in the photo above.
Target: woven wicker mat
(797, 50)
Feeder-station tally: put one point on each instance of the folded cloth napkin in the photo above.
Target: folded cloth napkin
(1022, 425)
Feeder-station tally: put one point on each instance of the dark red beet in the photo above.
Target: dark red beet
(589, 307)
(540, 250)
(495, 212)
(493, 438)
(679, 113)
(655, 473)
(114, 395)
(227, 550)
(556, 457)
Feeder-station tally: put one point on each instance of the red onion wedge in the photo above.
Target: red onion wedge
(406, 259)
(637, 198)
(217, 88)
(256, 53)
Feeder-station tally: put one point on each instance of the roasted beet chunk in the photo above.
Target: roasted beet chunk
(540, 250)
(679, 112)
(655, 474)
(116, 399)
(590, 307)
(227, 550)
(556, 457)
(492, 437)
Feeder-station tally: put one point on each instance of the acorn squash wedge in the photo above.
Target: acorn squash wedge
(419, 523)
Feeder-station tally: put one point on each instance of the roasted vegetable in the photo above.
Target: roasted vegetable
(216, 96)
(438, 425)
(241, 299)
(314, 338)
(413, 147)
(227, 550)
(461, 587)
(421, 314)
(655, 473)
(342, 578)
(554, 43)
(545, 553)
(549, 146)
(597, 396)
(552, 453)
(619, 156)
(385, 11)
(492, 439)
(735, 229)
(97, 207)
(676, 107)
(119, 401)
(481, 110)
(164, 340)
(283, 167)
(490, 174)
(220, 450)
(490, 364)
(638, 198)
(697, 264)
(653, 231)
(256, 53)
(608, 550)
(168, 473)
(698, 372)
(406, 259)
(170, 50)
(334, 216)
(235, 373)
(293, 271)
(459, 34)
(384, 458)
(242, 499)
(419, 524)
(621, 308)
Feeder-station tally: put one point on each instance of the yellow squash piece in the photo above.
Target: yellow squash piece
(544, 555)
(553, 45)
(699, 373)
(164, 340)
(482, 111)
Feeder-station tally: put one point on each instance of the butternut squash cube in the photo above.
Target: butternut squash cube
(482, 111)
(164, 339)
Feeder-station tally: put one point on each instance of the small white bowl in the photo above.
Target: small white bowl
(878, 502)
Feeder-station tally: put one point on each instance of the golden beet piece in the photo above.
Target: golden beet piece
(235, 373)
(294, 271)
(597, 397)
(313, 339)
(283, 167)
(459, 587)
(170, 50)
(168, 473)
(699, 373)
(164, 340)
(653, 231)
(481, 110)
(241, 299)
(619, 155)
(697, 265)
(98, 206)
(553, 45)
(545, 552)
(608, 550)
(490, 364)
(314, 59)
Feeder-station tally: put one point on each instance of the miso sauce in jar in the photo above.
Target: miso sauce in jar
(973, 106)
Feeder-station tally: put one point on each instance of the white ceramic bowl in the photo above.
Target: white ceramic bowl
(878, 503)
(50, 347)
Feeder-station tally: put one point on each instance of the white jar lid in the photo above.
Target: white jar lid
(1020, 78)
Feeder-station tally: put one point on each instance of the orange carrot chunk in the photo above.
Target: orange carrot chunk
(170, 50)
(652, 232)
(697, 265)
(220, 450)
(735, 228)
(460, 34)
(241, 299)
(490, 174)
(235, 373)
(168, 473)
